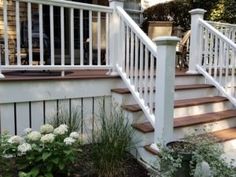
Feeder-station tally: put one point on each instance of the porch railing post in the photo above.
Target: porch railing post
(194, 56)
(164, 98)
(114, 45)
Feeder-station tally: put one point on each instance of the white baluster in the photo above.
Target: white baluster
(72, 46)
(41, 37)
(81, 18)
(62, 37)
(18, 39)
(52, 35)
(99, 38)
(30, 52)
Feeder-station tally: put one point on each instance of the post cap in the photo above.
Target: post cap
(197, 11)
(166, 40)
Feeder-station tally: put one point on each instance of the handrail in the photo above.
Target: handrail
(222, 24)
(71, 4)
(216, 32)
(145, 69)
(136, 29)
(88, 49)
(217, 60)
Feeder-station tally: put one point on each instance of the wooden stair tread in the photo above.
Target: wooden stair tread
(221, 136)
(225, 135)
(146, 127)
(151, 150)
(204, 118)
(177, 87)
(182, 103)
(192, 86)
(199, 101)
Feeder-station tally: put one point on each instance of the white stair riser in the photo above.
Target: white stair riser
(188, 80)
(123, 99)
(195, 93)
(229, 146)
(204, 128)
(202, 109)
(143, 139)
(135, 117)
(148, 157)
(127, 99)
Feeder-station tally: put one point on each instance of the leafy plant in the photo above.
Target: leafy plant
(72, 118)
(113, 140)
(178, 11)
(196, 150)
(47, 153)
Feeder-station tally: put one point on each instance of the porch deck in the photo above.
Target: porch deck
(56, 75)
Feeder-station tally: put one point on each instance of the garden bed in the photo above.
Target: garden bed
(84, 167)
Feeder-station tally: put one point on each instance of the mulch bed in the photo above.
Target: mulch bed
(84, 168)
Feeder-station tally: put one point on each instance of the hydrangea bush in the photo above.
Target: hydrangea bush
(47, 153)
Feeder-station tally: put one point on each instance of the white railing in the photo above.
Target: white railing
(217, 59)
(56, 35)
(148, 71)
(229, 30)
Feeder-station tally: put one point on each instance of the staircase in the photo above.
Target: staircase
(198, 109)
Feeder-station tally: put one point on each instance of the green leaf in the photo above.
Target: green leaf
(34, 172)
(55, 161)
(61, 166)
(46, 155)
(48, 175)
(23, 174)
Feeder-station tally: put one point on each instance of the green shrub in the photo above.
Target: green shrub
(178, 11)
(113, 140)
(50, 152)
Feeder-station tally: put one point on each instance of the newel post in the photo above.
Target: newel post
(194, 55)
(164, 99)
(114, 28)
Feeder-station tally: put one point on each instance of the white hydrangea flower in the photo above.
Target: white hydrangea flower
(23, 148)
(61, 130)
(47, 128)
(48, 138)
(15, 140)
(69, 141)
(27, 130)
(75, 135)
(34, 136)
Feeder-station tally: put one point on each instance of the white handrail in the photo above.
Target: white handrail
(221, 24)
(40, 46)
(136, 29)
(145, 69)
(71, 4)
(216, 32)
(217, 60)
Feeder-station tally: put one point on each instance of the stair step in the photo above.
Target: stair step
(177, 87)
(221, 135)
(182, 103)
(146, 127)
(225, 135)
(151, 150)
